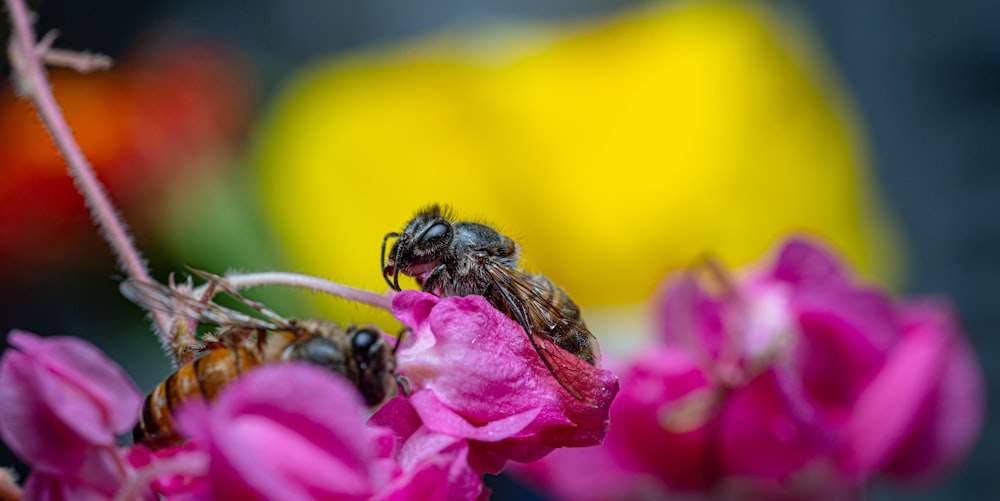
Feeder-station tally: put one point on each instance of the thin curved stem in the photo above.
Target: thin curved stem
(33, 83)
(247, 280)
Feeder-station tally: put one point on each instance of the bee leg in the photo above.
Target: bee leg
(385, 273)
(402, 384)
(435, 277)
(399, 337)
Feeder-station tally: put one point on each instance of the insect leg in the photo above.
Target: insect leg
(384, 274)
(399, 337)
(433, 278)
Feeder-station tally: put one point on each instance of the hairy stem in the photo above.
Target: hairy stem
(26, 59)
(247, 280)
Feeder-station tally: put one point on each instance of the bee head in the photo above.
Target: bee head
(426, 237)
(375, 362)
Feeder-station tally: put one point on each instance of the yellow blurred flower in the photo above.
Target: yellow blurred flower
(614, 150)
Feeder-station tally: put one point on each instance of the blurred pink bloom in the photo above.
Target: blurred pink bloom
(794, 382)
(477, 377)
(63, 403)
(287, 432)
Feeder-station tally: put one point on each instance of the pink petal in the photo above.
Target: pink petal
(803, 262)
(29, 426)
(442, 419)
(587, 474)
(53, 416)
(100, 476)
(660, 420)
(89, 371)
(886, 412)
(690, 318)
(429, 482)
(769, 430)
(42, 487)
(442, 473)
(952, 417)
(844, 338)
(181, 470)
(435, 465)
(399, 416)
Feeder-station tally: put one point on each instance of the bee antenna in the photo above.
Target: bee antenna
(384, 274)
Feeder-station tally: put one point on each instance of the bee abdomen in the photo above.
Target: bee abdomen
(203, 378)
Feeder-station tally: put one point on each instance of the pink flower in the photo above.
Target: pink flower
(477, 377)
(63, 403)
(289, 431)
(877, 386)
(795, 381)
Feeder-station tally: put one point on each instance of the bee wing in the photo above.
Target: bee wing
(154, 296)
(536, 314)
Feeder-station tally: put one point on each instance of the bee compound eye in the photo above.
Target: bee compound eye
(363, 341)
(436, 232)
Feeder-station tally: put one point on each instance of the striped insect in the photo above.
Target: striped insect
(242, 342)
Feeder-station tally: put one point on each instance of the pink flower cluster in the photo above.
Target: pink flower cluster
(795, 382)
(293, 431)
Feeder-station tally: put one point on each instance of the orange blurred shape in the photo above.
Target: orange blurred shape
(142, 126)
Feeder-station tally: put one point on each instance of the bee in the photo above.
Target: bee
(242, 342)
(461, 258)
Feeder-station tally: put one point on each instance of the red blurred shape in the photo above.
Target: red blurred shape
(164, 114)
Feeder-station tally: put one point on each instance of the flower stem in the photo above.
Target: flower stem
(26, 59)
(247, 280)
